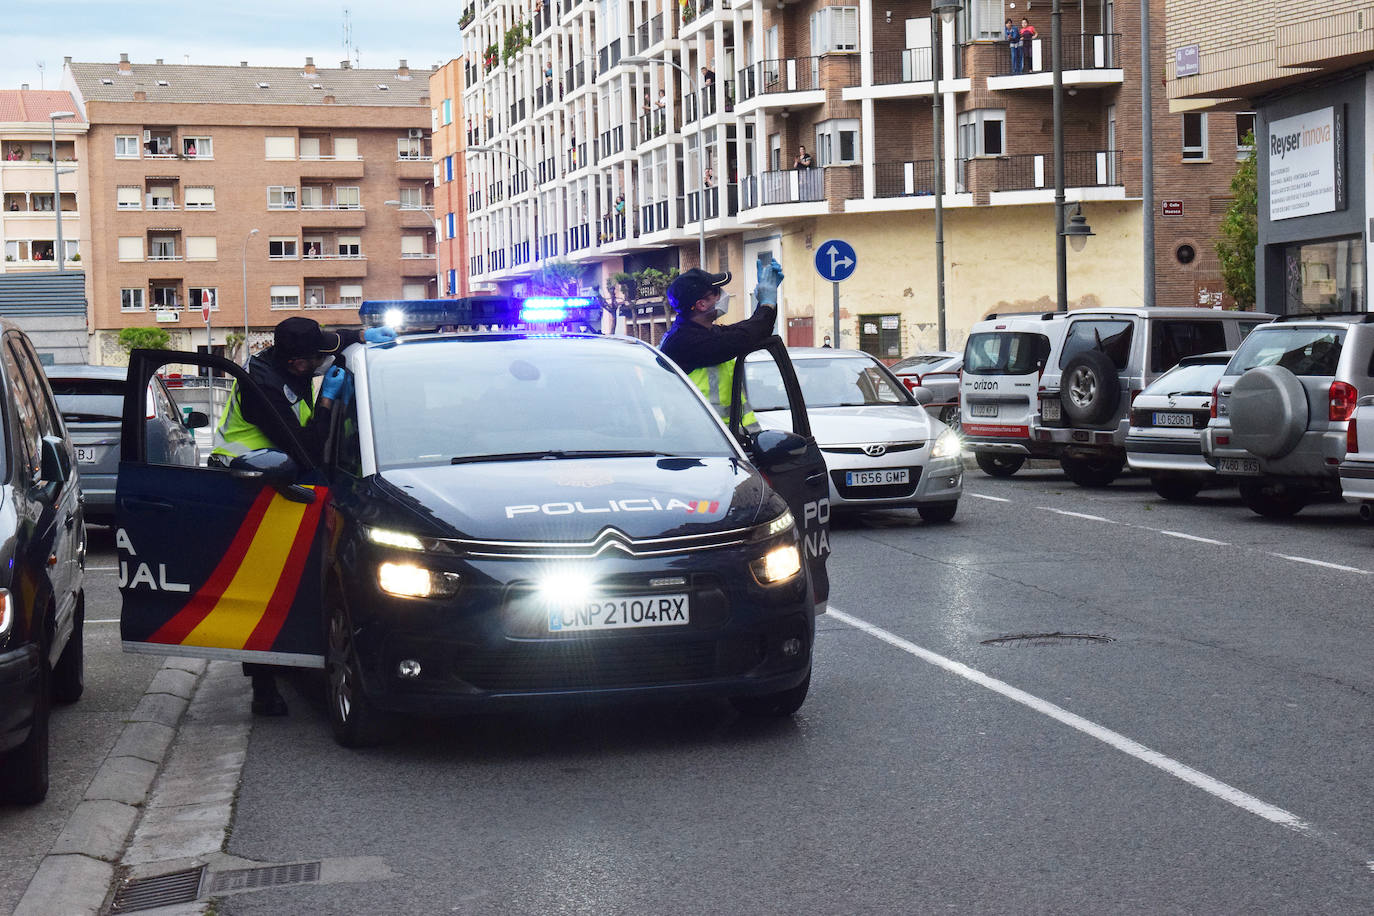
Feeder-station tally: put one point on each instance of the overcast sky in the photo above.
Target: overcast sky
(272, 33)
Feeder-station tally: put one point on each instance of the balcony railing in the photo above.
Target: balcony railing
(792, 186)
(575, 76)
(654, 124)
(904, 179)
(694, 199)
(608, 57)
(579, 237)
(520, 253)
(649, 33)
(794, 74)
(577, 157)
(659, 215)
(912, 65)
(1082, 169)
(517, 112)
(1081, 51)
(612, 228)
(610, 142)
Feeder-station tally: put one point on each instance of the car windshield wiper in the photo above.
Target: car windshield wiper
(88, 417)
(1188, 394)
(550, 454)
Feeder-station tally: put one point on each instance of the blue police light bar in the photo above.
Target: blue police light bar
(570, 312)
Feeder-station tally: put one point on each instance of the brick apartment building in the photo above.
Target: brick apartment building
(546, 82)
(1305, 69)
(331, 167)
(450, 143)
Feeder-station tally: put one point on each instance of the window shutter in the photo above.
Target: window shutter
(413, 291)
(310, 147)
(345, 148)
(412, 244)
(285, 291)
(131, 248)
(849, 38)
(200, 197)
(129, 197)
(201, 248)
(281, 147)
(350, 290)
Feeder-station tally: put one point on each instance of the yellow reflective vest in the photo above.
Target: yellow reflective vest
(717, 383)
(236, 436)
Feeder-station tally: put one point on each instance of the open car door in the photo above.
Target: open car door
(792, 463)
(215, 561)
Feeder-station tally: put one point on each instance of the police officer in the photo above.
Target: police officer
(285, 373)
(707, 351)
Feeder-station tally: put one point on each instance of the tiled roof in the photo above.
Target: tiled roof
(243, 85)
(32, 106)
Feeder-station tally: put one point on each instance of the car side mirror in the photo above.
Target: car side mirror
(55, 464)
(196, 420)
(922, 395)
(773, 449)
(274, 468)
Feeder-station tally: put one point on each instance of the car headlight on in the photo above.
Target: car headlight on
(6, 611)
(409, 580)
(947, 445)
(388, 537)
(777, 565)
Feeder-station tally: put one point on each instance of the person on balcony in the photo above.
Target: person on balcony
(708, 78)
(803, 160)
(1027, 36)
(1013, 38)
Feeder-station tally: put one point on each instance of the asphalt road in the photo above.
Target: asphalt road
(83, 733)
(1213, 756)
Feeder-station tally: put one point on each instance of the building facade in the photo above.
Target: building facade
(1305, 69)
(450, 144)
(261, 192)
(614, 164)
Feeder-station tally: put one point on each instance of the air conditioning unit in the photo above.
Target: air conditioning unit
(417, 133)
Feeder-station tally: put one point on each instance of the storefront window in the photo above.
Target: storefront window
(1326, 276)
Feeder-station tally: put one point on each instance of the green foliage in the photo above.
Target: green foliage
(624, 287)
(144, 339)
(557, 278)
(517, 38)
(1240, 232)
(489, 57)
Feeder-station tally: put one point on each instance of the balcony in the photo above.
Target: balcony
(335, 216)
(784, 187)
(1030, 177)
(912, 65)
(660, 216)
(653, 125)
(789, 81)
(1088, 60)
(608, 57)
(517, 112)
(579, 237)
(612, 229)
(577, 158)
(335, 266)
(575, 77)
(329, 167)
(649, 34)
(610, 143)
(542, 18)
(693, 202)
(903, 179)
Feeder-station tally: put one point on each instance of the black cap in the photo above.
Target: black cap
(693, 285)
(298, 338)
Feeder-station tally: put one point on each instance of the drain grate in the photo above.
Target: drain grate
(252, 879)
(1047, 639)
(159, 890)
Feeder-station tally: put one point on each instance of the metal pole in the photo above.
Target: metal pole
(244, 261)
(57, 198)
(1147, 155)
(701, 166)
(1060, 262)
(835, 341)
(937, 110)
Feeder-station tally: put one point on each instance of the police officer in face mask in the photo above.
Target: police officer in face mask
(707, 351)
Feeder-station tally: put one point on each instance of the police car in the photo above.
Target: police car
(517, 513)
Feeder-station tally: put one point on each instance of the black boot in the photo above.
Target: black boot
(267, 701)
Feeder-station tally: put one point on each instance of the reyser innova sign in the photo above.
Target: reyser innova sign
(1306, 158)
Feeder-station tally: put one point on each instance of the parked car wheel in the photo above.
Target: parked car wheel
(774, 705)
(950, 417)
(355, 721)
(1091, 472)
(69, 674)
(1090, 390)
(1271, 499)
(938, 513)
(26, 767)
(1177, 488)
(998, 465)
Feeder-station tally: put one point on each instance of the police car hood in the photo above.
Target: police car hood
(574, 499)
(860, 425)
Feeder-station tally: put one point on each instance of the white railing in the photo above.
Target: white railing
(418, 255)
(335, 257)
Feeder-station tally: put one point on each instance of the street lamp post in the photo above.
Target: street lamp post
(534, 176)
(943, 11)
(639, 61)
(246, 350)
(53, 118)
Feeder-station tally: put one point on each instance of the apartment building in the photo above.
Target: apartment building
(614, 165)
(262, 192)
(450, 143)
(1304, 68)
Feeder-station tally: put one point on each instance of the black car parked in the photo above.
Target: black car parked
(42, 560)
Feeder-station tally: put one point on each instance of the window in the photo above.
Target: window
(160, 197)
(412, 198)
(71, 249)
(1325, 276)
(200, 198)
(162, 248)
(348, 198)
(29, 432)
(201, 248)
(285, 297)
(346, 148)
(312, 198)
(879, 335)
(199, 295)
(452, 284)
(131, 299)
(129, 198)
(131, 248)
(279, 198)
(351, 294)
(1171, 341)
(16, 251)
(281, 249)
(412, 246)
(452, 226)
(310, 147)
(981, 20)
(350, 246)
(197, 148)
(408, 148)
(447, 117)
(413, 291)
(126, 147)
(835, 28)
(775, 152)
(448, 168)
(1109, 336)
(281, 147)
(1245, 134)
(165, 297)
(982, 132)
(314, 246)
(837, 142)
(1195, 136)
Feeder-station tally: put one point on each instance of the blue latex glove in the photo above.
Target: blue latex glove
(338, 385)
(770, 276)
(379, 335)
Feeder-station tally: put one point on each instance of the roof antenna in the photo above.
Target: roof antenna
(40, 73)
(350, 50)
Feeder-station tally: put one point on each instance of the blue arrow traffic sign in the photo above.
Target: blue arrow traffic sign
(835, 260)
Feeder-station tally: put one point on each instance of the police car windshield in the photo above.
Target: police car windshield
(465, 400)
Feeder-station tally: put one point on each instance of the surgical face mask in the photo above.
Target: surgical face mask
(723, 305)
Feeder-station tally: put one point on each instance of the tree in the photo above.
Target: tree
(557, 278)
(144, 339)
(1240, 232)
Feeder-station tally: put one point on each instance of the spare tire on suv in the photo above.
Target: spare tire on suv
(1268, 410)
(1089, 389)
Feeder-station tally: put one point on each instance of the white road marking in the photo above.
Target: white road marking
(1091, 518)
(1190, 537)
(102, 568)
(115, 620)
(1221, 790)
(1322, 563)
(995, 499)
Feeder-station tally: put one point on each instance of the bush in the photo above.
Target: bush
(1240, 232)
(144, 339)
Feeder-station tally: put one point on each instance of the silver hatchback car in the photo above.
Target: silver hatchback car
(1167, 419)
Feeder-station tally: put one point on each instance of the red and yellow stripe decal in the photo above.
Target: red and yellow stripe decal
(245, 602)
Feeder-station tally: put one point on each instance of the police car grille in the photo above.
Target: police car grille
(554, 667)
(609, 540)
(888, 491)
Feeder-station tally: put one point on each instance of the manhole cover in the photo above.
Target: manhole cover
(1047, 639)
(252, 879)
(159, 890)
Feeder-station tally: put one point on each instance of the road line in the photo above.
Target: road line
(1221, 790)
(1190, 537)
(1322, 563)
(102, 568)
(995, 499)
(115, 620)
(1091, 518)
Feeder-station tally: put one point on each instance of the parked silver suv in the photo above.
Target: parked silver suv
(1283, 406)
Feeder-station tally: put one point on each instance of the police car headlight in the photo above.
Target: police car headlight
(6, 611)
(947, 445)
(389, 538)
(407, 580)
(777, 565)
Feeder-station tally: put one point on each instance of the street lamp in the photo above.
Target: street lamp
(1079, 231)
(534, 176)
(246, 350)
(53, 118)
(946, 10)
(637, 60)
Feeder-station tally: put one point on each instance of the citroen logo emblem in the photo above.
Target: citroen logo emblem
(875, 451)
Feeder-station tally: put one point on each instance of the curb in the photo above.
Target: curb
(76, 875)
